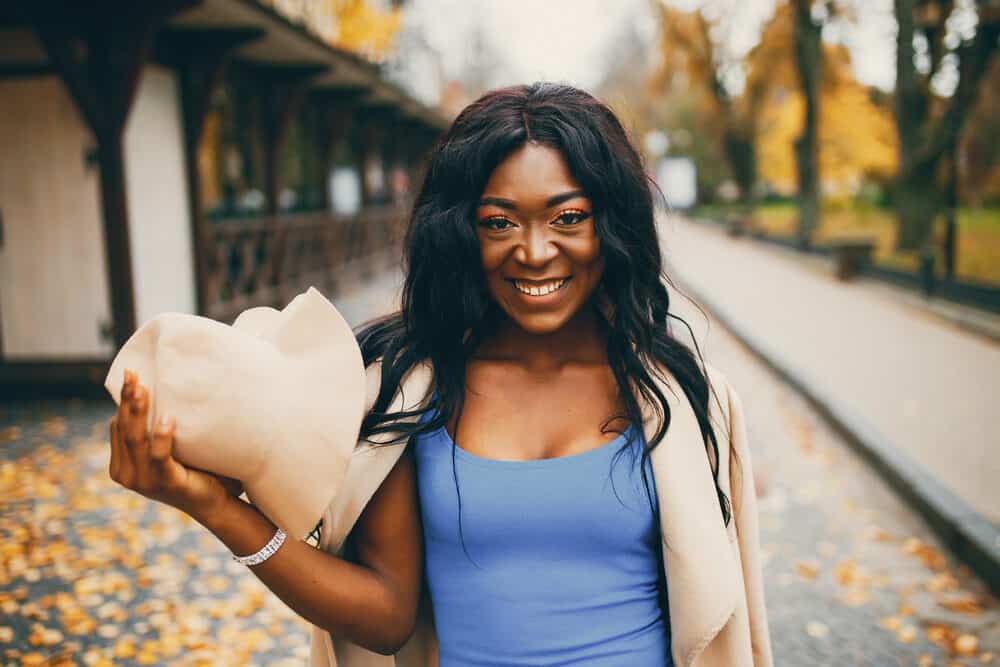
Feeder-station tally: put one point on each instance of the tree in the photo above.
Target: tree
(929, 124)
(365, 28)
(809, 64)
(855, 135)
(691, 62)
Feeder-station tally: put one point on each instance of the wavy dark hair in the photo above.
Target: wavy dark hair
(446, 310)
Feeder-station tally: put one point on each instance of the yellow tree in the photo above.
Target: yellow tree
(857, 136)
(694, 65)
(361, 26)
(364, 28)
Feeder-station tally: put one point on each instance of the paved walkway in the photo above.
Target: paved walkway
(926, 385)
(852, 575)
(380, 295)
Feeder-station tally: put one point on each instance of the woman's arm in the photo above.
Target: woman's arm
(372, 603)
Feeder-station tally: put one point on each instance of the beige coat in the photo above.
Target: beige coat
(713, 572)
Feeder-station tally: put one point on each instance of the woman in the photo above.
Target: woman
(578, 485)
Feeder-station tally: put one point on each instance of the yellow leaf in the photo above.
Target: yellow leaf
(891, 623)
(966, 645)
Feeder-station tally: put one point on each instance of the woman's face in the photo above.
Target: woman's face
(540, 251)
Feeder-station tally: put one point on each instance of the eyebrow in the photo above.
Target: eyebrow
(549, 203)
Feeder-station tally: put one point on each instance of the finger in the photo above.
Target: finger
(128, 385)
(167, 470)
(161, 445)
(114, 466)
(125, 466)
(137, 434)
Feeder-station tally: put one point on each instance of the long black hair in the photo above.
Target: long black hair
(446, 310)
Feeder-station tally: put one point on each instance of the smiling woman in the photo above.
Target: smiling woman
(540, 252)
(544, 474)
(535, 299)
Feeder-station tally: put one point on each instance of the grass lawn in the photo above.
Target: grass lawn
(978, 246)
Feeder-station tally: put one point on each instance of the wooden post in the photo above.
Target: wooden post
(337, 111)
(283, 89)
(374, 121)
(102, 78)
(201, 56)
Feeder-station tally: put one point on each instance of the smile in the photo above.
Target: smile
(539, 289)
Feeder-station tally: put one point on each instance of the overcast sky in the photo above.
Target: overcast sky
(570, 40)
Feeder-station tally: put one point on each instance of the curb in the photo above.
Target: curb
(971, 537)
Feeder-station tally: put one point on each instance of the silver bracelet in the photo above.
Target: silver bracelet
(265, 553)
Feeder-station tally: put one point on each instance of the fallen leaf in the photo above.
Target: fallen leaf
(891, 623)
(964, 603)
(807, 569)
(817, 630)
(966, 645)
(906, 634)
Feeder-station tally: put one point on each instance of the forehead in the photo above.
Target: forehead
(531, 174)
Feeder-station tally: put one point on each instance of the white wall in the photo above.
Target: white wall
(159, 218)
(53, 275)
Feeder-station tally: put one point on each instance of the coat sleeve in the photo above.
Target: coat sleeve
(744, 502)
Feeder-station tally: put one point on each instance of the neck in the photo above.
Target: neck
(582, 340)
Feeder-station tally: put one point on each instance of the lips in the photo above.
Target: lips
(539, 288)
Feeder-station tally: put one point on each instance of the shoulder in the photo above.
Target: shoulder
(373, 382)
(412, 387)
(719, 384)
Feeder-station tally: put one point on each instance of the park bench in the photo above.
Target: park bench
(850, 254)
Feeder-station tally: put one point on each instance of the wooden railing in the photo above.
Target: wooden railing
(267, 261)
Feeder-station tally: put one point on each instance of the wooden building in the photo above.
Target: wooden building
(199, 156)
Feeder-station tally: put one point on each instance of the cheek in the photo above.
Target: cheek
(493, 255)
(585, 253)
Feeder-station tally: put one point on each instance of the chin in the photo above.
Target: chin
(541, 324)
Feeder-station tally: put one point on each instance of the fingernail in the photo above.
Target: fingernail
(163, 423)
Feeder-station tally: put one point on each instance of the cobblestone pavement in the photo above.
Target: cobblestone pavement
(926, 385)
(100, 576)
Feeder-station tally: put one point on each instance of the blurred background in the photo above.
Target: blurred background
(831, 174)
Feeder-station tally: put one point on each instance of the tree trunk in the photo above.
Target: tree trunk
(918, 200)
(919, 193)
(809, 62)
(742, 158)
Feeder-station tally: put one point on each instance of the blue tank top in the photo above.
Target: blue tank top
(563, 563)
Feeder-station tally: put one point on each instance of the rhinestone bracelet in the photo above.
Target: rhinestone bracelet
(265, 553)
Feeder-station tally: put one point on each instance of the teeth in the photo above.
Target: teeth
(539, 291)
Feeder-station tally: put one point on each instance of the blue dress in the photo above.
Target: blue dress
(559, 564)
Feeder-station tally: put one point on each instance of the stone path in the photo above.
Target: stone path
(926, 385)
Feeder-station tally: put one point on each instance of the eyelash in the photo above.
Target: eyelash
(581, 215)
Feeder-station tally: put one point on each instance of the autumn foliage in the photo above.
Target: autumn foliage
(856, 131)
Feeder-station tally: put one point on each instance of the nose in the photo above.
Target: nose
(536, 248)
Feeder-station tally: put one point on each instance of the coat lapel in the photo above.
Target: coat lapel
(701, 571)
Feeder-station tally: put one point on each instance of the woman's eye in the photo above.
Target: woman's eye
(495, 223)
(572, 217)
